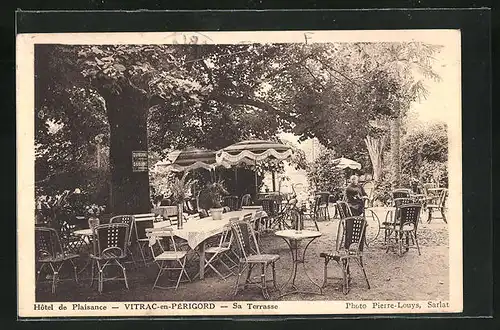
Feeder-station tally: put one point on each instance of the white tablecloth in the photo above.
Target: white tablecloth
(196, 231)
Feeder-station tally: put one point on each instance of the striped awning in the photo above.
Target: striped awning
(347, 163)
(253, 151)
(191, 158)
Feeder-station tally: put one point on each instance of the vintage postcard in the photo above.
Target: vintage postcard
(239, 173)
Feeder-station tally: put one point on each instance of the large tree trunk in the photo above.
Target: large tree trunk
(395, 156)
(127, 115)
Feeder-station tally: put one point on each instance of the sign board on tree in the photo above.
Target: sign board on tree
(139, 161)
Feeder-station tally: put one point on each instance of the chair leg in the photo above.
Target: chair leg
(160, 271)
(416, 242)
(247, 280)
(273, 265)
(39, 271)
(364, 272)
(124, 272)
(443, 215)
(240, 271)
(142, 254)
(75, 270)
(263, 281)
(345, 283)
(54, 281)
(325, 273)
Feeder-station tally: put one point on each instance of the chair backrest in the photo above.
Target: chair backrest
(409, 215)
(127, 219)
(243, 233)
(246, 200)
(324, 197)
(155, 234)
(353, 233)
(343, 209)
(226, 238)
(231, 202)
(142, 222)
(403, 201)
(203, 213)
(47, 243)
(195, 216)
(318, 200)
(401, 193)
(166, 211)
(442, 197)
(248, 217)
(112, 238)
(270, 206)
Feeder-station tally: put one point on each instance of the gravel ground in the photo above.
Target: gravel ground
(409, 277)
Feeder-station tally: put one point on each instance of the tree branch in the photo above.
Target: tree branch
(243, 100)
(328, 67)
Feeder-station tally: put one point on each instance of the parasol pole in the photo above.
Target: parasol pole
(274, 180)
(255, 174)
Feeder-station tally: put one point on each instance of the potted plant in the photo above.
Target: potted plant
(214, 191)
(94, 211)
(180, 192)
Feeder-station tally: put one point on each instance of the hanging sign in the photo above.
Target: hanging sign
(139, 161)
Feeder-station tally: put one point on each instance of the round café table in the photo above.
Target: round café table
(292, 237)
(375, 214)
(86, 237)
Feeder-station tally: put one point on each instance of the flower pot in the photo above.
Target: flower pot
(93, 222)
(216, 214)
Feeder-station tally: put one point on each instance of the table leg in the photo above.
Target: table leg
(294, 250)
(202, 260)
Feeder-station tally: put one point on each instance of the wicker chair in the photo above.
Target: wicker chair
(323, 204)
(231, 202)
(250, 256)
(437, 204)
(49, 251)
(350, 248)
(246, 200)
(172, 259)
(401, 193)
(129, 220)
(405, 226)
(313, 214)
(112, 242)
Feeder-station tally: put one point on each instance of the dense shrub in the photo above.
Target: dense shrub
(323, 175)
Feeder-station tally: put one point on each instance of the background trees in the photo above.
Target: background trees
(164, 97)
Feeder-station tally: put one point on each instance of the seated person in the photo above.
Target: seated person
(356, 196)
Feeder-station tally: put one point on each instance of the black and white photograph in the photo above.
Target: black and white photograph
(239, 173)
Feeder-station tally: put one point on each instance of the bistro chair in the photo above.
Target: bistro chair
(270, 206)
(348, 246)
(49, 251)
(112, 246)
(129, 220)
(220, 251)
(401, 193)
(231, 202)
(405, 226)
(437, 204)
(324, 202)
(142, 223)
(246, 200)
(250, 256)
(313, 213)
(168, 258)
